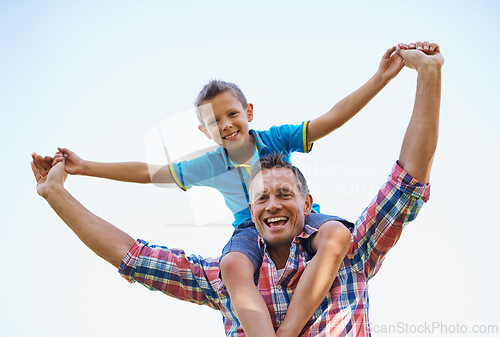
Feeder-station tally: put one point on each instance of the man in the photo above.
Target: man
(279, 202)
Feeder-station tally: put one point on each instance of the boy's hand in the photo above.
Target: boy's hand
(73, 163)
(421, 54)
(390, 65)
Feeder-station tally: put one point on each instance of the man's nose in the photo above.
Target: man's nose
(273, 204)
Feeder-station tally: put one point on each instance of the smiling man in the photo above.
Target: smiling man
(279, 203)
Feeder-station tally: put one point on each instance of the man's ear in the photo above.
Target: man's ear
(308, 202)
(251, 211)
(203, 129)
(249, 111)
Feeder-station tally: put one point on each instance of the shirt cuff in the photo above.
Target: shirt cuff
(178, 181)
(127, 266)
(404, 182)
(305, 140)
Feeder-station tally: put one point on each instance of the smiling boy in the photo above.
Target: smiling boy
(224, 116)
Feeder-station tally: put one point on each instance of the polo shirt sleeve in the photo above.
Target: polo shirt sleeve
(380, 225)
(195, 172)
(287, 138)
(171, 271)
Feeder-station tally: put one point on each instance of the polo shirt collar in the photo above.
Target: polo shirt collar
(258, 143)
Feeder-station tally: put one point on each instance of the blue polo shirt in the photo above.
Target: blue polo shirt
(215, 169)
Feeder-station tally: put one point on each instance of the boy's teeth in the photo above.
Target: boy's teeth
(231, 135)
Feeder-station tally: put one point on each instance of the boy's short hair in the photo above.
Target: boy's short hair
(214, 88)
(276, 160)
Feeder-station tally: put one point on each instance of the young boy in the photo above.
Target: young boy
(224, 116)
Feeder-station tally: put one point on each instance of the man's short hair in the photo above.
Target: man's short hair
(214, 88)
(276, 161)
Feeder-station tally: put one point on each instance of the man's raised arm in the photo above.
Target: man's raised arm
(100, 236)
(421, 136)
(400, 199)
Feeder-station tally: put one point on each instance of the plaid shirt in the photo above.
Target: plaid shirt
(343, 312)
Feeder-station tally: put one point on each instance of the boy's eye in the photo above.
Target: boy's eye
(232, 114)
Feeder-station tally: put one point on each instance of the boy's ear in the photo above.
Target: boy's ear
(249, 111)
(203, 129)
(308, 202)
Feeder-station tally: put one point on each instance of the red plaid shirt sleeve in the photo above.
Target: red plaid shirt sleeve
(172, 272)
(380, 225)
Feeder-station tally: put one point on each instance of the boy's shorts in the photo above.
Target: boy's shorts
(245, 237)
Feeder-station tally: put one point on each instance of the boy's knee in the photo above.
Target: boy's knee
(334, 237)
(235, 264)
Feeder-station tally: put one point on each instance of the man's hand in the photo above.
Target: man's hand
(73, 163)
(103, 238)
(47, 177)
(390, 65)
(421, 54)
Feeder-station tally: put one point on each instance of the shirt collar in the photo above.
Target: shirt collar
(259, 145)
(306, 233)
(258, 141)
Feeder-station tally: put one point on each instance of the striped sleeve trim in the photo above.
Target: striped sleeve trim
(176, 179)
(307, 146)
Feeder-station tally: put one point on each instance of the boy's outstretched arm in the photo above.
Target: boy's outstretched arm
(135, 172)
(100, 236)
(390, 65)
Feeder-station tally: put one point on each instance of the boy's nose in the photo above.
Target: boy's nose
(226, 124)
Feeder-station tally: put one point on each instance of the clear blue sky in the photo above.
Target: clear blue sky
(95, 77)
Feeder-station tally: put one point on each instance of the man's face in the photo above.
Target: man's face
(277, 206)
(226, 121)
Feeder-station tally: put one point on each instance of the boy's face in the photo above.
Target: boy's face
(278, 207)
(226, 120)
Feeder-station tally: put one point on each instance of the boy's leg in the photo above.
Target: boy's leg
(331, 244)
(241, 259)
(237, 272)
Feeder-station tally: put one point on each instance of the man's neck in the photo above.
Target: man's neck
(279, 255)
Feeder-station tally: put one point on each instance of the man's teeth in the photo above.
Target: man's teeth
(276, 219)
(231, 135)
